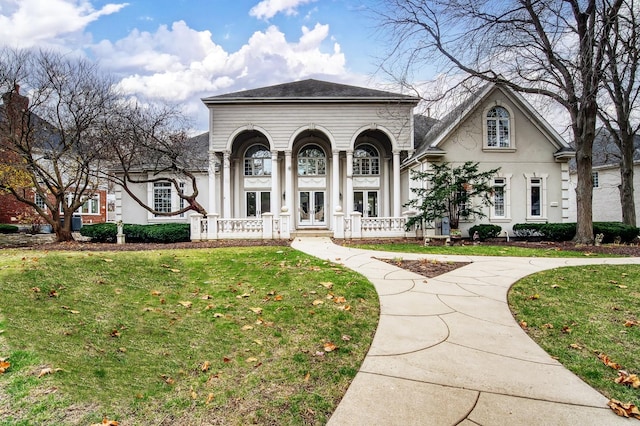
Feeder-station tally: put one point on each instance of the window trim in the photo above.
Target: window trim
(506, 184)
(485, 129)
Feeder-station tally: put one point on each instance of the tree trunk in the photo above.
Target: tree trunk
(626, 180)
(585, 132)
(63, 232)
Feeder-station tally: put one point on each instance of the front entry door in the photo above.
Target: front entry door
(258, 202)
(311, 208)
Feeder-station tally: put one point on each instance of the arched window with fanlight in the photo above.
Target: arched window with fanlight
(498, 128)
(366, 160)
(312, 161)
(257, 161)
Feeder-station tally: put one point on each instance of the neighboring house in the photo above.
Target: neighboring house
(606, 178)
(13, 211)
(319, 156)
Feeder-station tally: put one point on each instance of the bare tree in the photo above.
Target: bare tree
(620, 109)
(49, 137)
(148, 143)
(554, 48)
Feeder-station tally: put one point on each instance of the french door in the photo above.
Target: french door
(366, 202)
(311, 208)
(258, 202)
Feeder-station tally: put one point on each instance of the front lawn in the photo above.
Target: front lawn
(579, 315)
(263, 335)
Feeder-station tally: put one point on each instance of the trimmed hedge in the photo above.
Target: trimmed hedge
(8, 229)
(485, 231)
(612, 231)
(156, 233)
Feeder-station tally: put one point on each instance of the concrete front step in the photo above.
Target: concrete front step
(312, 233)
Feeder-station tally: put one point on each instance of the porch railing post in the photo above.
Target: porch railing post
(212, 226)
(285, 219)
(195, 228)
(267, 226)
(338, 223)
(356, 225)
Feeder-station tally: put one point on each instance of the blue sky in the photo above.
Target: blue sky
(183, 50)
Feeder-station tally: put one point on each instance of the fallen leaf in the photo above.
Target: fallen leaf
(278, 298)
(108, 260)
(35, 289)
(534, 297)
(624, 409)
(607, 361)
(174, 270)
(156, 293)
(206, 297)
(168, 380)
(218, 315)
(205, 366)
(186, 304)
(627, 379)
(547, 325)
(523, 324)
(4, 365)
(194, 395)
(317, 302)
(209, 399)
(48, 370)
(329, 347)
(340, 299)
(258, 342)
(345, 308)
(575, 346)
(306, 377)
(346, 337)
(566, 329)
(115, 333)
(555, 286)
(251, 359)
(243, 295)
(247, 327)
(622, 286)
(630, 323)
(106, 422)
(226, 360)
(327, 285)
(53, 293)
(256, 310)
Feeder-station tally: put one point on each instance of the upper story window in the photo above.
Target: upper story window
(498, 128)
(312, 161)
(40, 202)
(366, 160)
(257, 161)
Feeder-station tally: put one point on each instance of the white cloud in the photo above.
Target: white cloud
(47, 23)
(180, 64)
(267, 9)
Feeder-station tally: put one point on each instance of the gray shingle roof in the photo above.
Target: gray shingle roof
(311, 90)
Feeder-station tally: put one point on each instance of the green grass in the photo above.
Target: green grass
(475, 250)
(594, 302)
(130, 332)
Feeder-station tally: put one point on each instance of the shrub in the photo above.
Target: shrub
(528, 230)
(8, 229)
(157, 233)
(485, 231)
(616, 232)
(100, 232)
(558, 231)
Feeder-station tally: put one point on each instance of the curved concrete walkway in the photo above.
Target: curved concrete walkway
(447, 350)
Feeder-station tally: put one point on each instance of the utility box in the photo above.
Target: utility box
(76, 222)
(445, 227)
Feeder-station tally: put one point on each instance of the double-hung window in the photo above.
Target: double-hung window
(536, 196)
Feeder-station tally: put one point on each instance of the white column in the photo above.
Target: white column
(335, 162)
(275, 184)
(385, 186)
(212, 182)
(226, 182)
(397, 208)
(237, 188)
(288, 183)
(349, 195)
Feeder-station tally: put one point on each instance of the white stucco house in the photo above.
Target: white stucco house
(606, 179)
(315, 156)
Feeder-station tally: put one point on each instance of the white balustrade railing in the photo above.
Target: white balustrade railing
(212, 227)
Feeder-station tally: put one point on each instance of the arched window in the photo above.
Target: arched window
(312, 161)
(366, 160)
(257, 161)
(498, 131)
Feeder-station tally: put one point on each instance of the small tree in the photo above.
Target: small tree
(458, 192)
